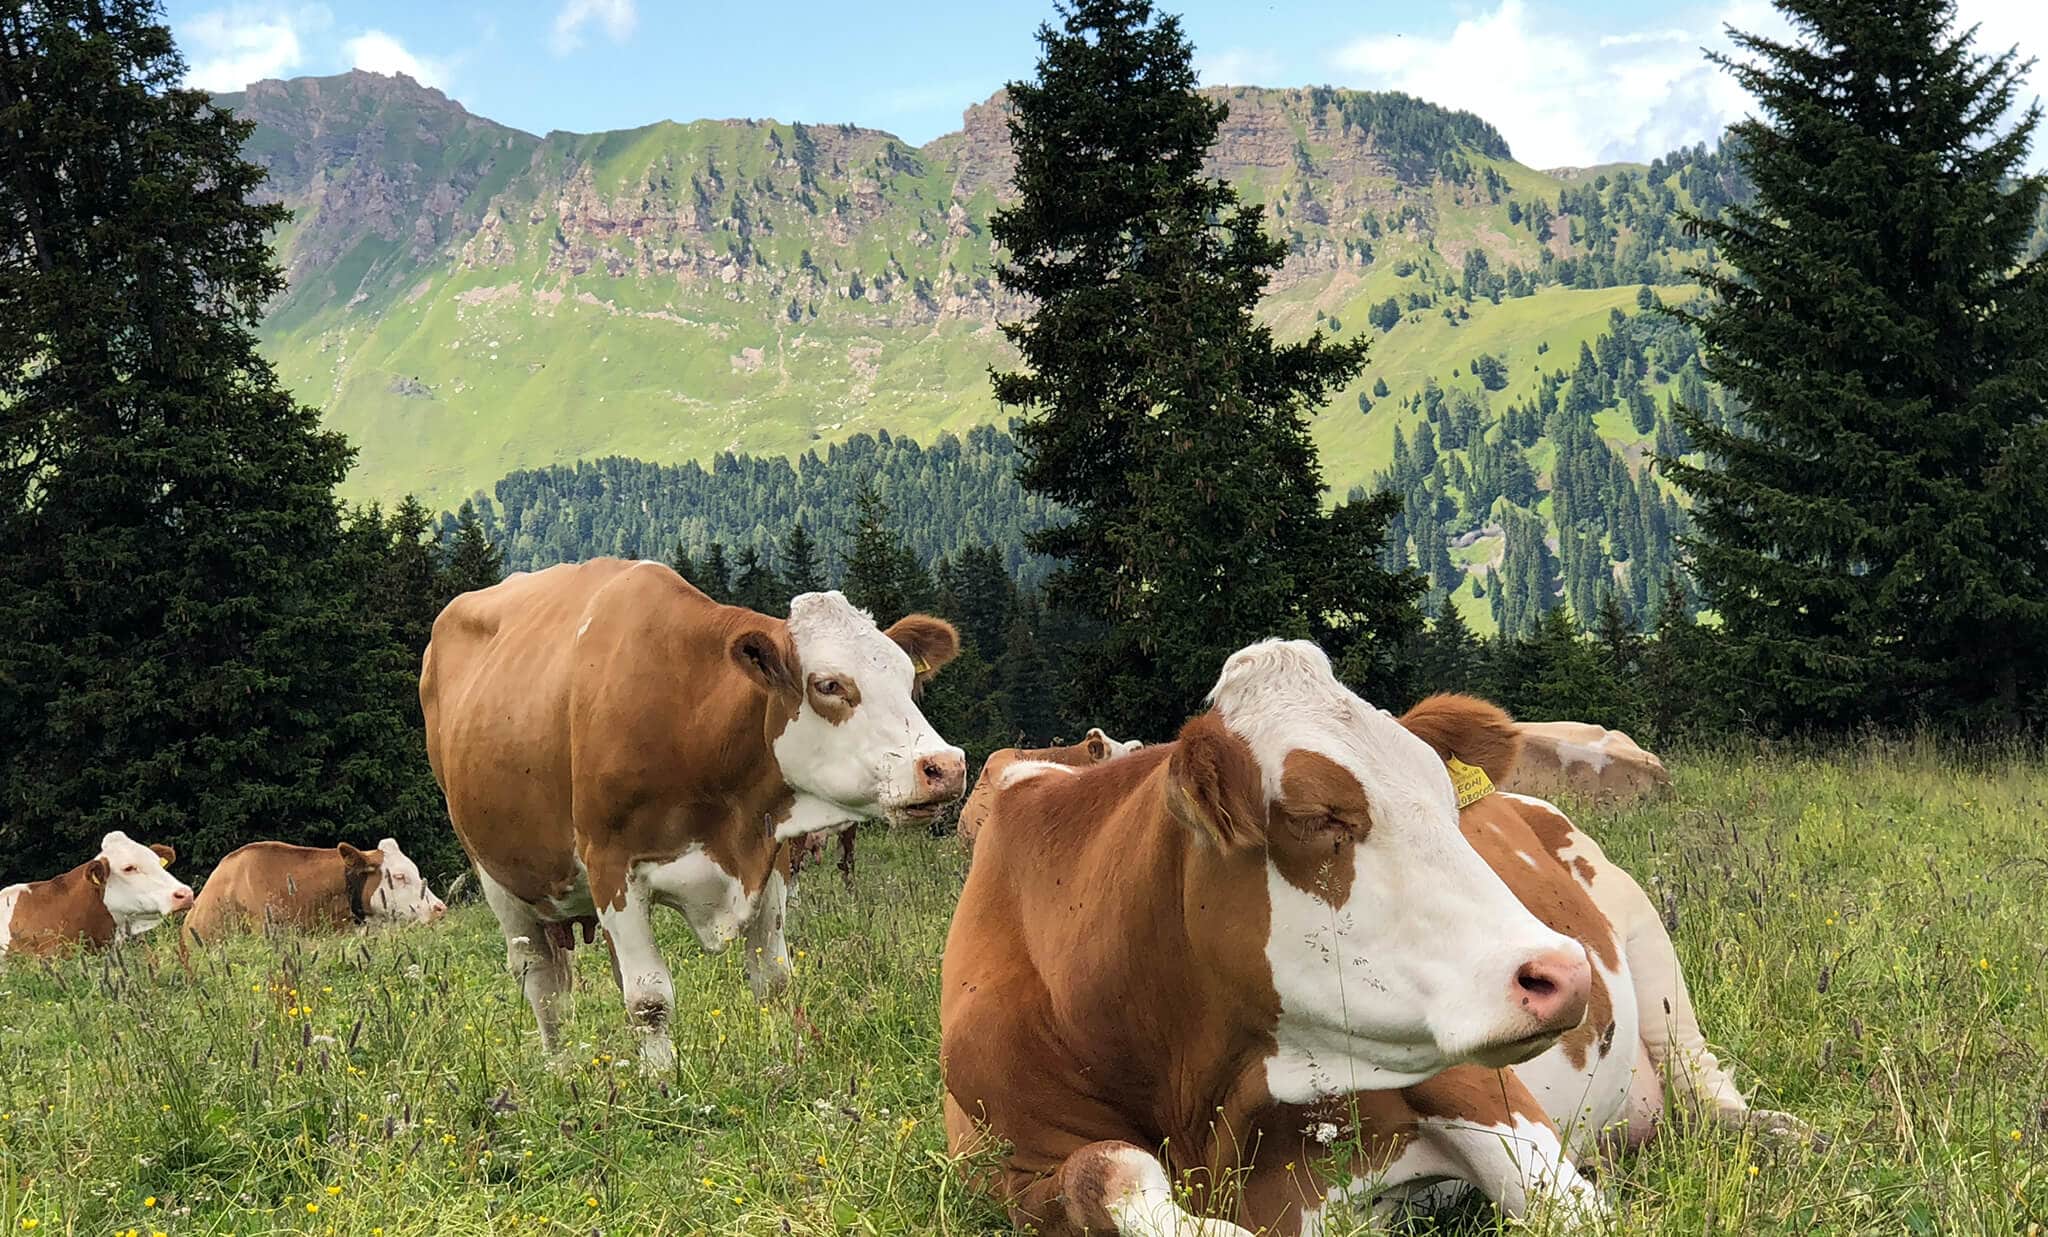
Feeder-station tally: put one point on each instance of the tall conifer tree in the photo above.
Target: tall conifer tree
(1870, 528)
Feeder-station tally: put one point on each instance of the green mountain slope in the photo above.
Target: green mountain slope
(468, 299)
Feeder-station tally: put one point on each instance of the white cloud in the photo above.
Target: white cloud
(377, 52)
(1562, 97)
(1237, 66)
(226, 49)
(616, 17)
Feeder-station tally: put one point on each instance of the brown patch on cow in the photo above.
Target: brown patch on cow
(168, 854)
(1315, 828)
(833, 697)
(930, 642)
(981, 800)
(1473, 730)
(1525, 848)
(62, 913)
(311, 888)
(1214, 786)
(1476, 1094)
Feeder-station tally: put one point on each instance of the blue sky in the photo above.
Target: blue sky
(1567, 83)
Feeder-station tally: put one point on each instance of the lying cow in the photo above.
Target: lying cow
(1582, 759)
(312, 888)
(1265, 954)
(121, 892)
(1093, 750)
(609, 738)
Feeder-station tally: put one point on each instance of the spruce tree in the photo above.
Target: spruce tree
(882, 575)
(1158, 410)
(191, 648)
(756, 586)
(679, 559)
(473, 561)
(1451, 655)
(801, 568)
(412, 575)
(714, 574)
(1870, 528)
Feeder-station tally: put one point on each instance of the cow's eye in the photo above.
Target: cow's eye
(830, 687)
(129, 868)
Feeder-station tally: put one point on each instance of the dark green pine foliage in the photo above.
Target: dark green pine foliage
(802, 569)
(1158, 410)
(883, 576)
(1451, 657)
(1871, 529)
(679, 559)
(191, 649)
(474, 562)
(714, 574)
(411, 587)
(756, 586)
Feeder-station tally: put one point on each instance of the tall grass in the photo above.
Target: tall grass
(1863, 935)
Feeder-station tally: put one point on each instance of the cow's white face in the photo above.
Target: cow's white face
(401, 894)
(136, 885)
(858, 740)
(1395, 950)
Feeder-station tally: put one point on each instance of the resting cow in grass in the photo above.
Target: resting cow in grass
(1579, 758)
(609, 738)
(123, 891)
(1092, 750)
(314, 888)
(1221, 984)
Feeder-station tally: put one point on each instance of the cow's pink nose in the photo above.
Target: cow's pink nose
(942, 776)
(181, 898)
(1554, 987)
(440, 909)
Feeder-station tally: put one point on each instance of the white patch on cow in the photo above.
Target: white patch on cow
(8, 897)
(1145, 1207)
(585, 626)
(710, 898)
(867, 763)
(809, 814)
(1023, 770)
(402, 895)
(1115, 747)
(139, 893)
(1520, 1166)
(1584, 1101)
(1414, 973)
(644, 981)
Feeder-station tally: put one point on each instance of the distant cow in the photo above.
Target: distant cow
(121, 892)
(1092, 750)
(1592, 762)
(314, 888)
(1278, 953)
(609, 738)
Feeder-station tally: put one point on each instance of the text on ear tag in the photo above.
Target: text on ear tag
(1469, 781)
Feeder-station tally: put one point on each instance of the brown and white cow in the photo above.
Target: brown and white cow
(609, 738)
(123, 891)
(1270, 954)
(1592, 762)
(313, 888)
(1092, 750)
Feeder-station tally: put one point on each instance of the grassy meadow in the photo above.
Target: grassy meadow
(1863, 935)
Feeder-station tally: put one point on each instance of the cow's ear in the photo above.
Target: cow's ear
(1473, 730)
(96, 871)
(168, 854)
(767, 661)
(930, 642)
(1097, 745)
(353, 859)
(1214, 787)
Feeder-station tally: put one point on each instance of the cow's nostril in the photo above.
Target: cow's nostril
(1535, 982)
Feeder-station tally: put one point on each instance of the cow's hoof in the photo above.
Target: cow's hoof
(657, 1054)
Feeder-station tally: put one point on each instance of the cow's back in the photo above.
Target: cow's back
(266, 883)
(1583, 759)
(47, 917)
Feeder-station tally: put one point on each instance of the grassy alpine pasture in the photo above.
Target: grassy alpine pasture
(1863, 935)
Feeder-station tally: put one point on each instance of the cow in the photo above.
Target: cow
(123, 891)
(1221, 984)
(312, 888)
(1591, 762)
(608, 738)
(1091, 750)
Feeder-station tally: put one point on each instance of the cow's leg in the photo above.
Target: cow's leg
(1485, 1128)
(767, 958)
(649, 993)
(1112, 1187)
(846, 855)
(540, 966)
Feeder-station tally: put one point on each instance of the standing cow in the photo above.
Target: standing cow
(609, 738)
(123, 891)
(316, 888)
(1285, 953)
(1092, 750)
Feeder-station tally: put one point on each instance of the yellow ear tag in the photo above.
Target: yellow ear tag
(162, 862)
(1470, 782)
(919, 665)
